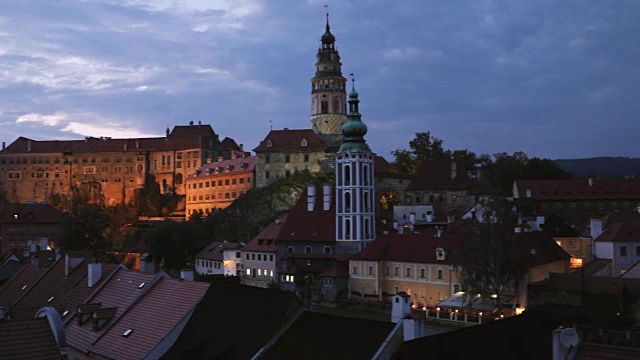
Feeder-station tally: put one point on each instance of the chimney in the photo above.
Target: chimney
(439, 232)
(413, 326)
(3, 145)
(137, 143)
(596, 228)
(517, 229)
(70, 263)
(429, 216)
(186, 274)
(126, 146)
(28, 145)
(454, 170)
(147, 265)
(400, 306)
(94, 274)
(167, 132)
(32, 246)
(326, 195)
(241, 147)
(412, 218)
(44, 243)
(311, 197)
(528, 193)
(590, 182)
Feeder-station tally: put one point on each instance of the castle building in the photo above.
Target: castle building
(33, 171)
(216, 185)
(283, 152)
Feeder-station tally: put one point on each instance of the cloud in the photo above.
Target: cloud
(407, 53)
(49, 120)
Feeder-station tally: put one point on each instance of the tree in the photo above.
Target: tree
(488, 254)
(506, 168)
(423, 147)
(175, 243)
(149, 198)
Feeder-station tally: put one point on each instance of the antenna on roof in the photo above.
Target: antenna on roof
(270, 125)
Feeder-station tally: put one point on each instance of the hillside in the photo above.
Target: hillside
(602, 166)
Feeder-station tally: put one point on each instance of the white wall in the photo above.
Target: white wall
(603, 250)
(209, 267)
(232, 262)
(261, 264)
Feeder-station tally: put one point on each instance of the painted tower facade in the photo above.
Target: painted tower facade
(355, 207)
(328, 93)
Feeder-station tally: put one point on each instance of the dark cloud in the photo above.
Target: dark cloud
(553, 78)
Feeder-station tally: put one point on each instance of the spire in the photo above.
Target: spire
(354, 129)
(328, 38)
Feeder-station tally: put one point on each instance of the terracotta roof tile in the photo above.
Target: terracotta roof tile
(28, 339)
(420, 248)
(15, 287)
(215, 250)
(290, 140)
(226, 166)
(266, 239)
(316, 225)
(436, 175)
(579, 189)
(620, 232)
(117, 292)
(32, 213)
(228, 144)
(150, 319)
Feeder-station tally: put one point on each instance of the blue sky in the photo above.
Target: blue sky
(553, 78)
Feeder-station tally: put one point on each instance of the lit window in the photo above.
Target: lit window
(248, 271)
(259, 272)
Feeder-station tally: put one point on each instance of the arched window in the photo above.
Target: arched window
(366, 175)
(303, 142)
(290, 249)
(308, 250)
(347, 229)
(347, 201)
(365, 201)
(347, 175)
(327, 250)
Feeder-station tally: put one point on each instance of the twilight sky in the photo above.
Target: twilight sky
(553, 78)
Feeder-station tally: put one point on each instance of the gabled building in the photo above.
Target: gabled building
(259, 256)
(425, 266)
(575, 200)
(284, 152)
(216, 185)
(579, 247)
(444, 184)
(220, 258)
(41, 337)
(32, 170)
(30, 226)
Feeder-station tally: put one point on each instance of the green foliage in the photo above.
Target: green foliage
(488, 261)
(174, 243)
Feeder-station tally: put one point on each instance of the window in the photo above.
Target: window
(396, 271)
(328, 282)
(267, 174)
(327, 250)
(247, 256)
(623, 251)
(270, 257)
(387, 271)
(355, 270)
(456, 288)
(422, 273)
(306, 157)
(409, 272)
(439, 274)
(307, 250)
(226, 181)
(454, 198)
(290, 249)
(370, 270)
(267, 159)
(253, 256)
(241, 181)
(571, 243)
(259, 257)
(287, 158)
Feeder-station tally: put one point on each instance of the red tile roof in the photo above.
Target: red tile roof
(12, 290)
(181, 137)
(578, 189)
(215, 250)
(621, 216)
(228, 144)
(536, 248)
(592, 284)
(266, 239)
(316, 225)
(151, 319)
(339, 271)
(226, 167)
(66, 291)
(291, 140)
(620, 232)
(117, 293)
(419, 248)
(593, 266)
(28, 339)
(32, 214)
(436, 175)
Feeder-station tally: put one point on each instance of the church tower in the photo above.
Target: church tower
(328, 93)
(355, 209)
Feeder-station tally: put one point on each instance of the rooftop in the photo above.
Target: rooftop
(215, 250)
(299, 139)
(441, 174)
(316, 225)
(231, 166)
(578, 189)
(28, 339)
(266, 239)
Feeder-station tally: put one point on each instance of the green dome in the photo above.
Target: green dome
(353, 94)
(354, 129)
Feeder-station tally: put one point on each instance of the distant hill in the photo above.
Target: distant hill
(606, 167)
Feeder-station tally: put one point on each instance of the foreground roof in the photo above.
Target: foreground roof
(19, 284)
(420, 248)
(150, 319)
(233, 321)
(28, 339)
(321, 336)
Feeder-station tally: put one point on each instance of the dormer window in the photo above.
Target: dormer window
(269, 143)
(440, 254)
(303, 142)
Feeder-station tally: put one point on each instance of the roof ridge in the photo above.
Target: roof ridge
(9, 280)
(37, 281)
